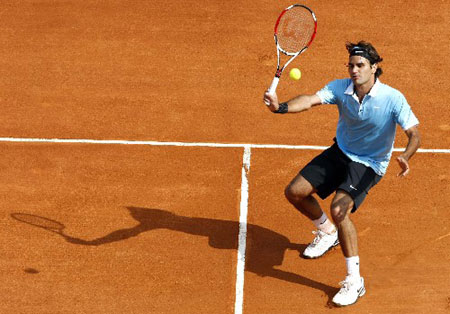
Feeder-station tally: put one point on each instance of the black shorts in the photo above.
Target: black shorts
(332, 170)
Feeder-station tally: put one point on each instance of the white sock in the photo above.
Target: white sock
(324, 224)
(353, 266)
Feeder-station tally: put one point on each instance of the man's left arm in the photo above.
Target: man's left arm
(413, 144)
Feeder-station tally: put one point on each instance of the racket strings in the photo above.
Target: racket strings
(295, 29)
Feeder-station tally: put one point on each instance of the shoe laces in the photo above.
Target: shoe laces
(346, 284)
(319, 235)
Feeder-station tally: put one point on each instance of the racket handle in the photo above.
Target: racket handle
(273, 87)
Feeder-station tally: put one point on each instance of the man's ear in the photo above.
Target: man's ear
(374, 68)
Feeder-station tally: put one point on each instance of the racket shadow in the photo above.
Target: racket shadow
(265, 248)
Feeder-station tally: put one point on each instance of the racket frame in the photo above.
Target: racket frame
(293, 55)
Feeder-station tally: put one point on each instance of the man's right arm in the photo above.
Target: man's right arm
(297, 104)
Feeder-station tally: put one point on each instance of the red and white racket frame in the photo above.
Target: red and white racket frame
(293, 55)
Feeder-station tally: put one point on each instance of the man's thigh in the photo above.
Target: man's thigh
(359, 180)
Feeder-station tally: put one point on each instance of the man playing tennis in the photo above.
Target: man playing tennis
(368, 114)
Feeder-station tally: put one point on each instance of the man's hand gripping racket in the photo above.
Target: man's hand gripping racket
(295, 30)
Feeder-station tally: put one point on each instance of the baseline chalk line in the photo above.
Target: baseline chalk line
(188, 144)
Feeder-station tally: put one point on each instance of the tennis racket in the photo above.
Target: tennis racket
(295, 30)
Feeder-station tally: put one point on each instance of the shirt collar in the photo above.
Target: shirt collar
(373, 92)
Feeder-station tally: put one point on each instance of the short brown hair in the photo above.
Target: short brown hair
(369, 50)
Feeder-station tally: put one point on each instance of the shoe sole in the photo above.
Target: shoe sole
(314, 257)
(361, 293)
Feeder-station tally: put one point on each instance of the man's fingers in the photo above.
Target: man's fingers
(403, 173)
(404, 165)
(267, 99)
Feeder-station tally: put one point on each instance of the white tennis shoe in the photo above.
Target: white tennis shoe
(351, 290)
(321, 244)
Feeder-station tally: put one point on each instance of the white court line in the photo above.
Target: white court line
(242, 244)
(188, 144)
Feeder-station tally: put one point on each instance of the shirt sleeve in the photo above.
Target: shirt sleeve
(327, 94)
(403, 114)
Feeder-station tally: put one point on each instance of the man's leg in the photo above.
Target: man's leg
(299, 194)
(353, 285)
(341, 207)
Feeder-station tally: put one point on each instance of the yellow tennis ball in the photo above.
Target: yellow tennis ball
(295, 74)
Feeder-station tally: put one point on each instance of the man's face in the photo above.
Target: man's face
(360, 70)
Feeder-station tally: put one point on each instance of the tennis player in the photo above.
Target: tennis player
(368, 114)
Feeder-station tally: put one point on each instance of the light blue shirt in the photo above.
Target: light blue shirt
(366, 131)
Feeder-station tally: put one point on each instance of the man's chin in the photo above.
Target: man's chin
(357, 82)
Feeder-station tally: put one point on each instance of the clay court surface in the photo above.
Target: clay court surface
(143, 227)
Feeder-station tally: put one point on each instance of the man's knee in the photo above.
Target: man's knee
(341, 207)
(338, 214)
(298, 190)
(292, 194)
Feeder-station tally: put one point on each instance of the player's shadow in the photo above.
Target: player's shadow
(265, 248)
